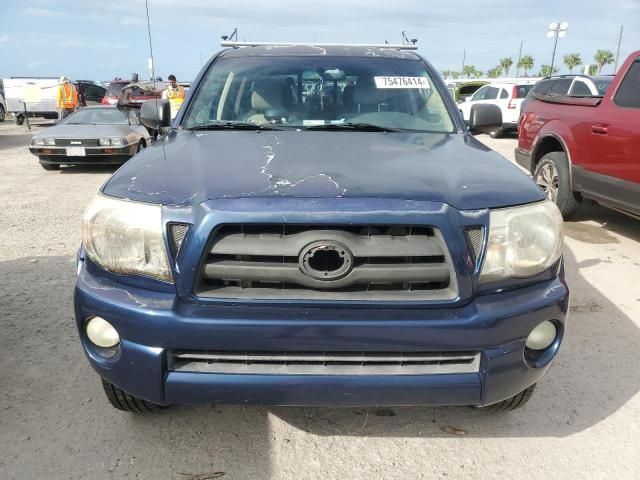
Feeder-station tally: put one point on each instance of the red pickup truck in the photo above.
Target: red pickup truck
(586, 147)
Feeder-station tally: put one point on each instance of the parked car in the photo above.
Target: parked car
(3, 107)
(91, 92)
(586, 146)
(463, 90)
(506, 96)
(138, 95)
(266, 252)
(91, 135)
(573, 85)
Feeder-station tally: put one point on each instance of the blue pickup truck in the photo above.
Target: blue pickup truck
(318, 227)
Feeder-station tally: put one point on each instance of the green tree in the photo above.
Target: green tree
(495, 72)
(468, 70)
(505, 65)
(572, 60)
(455, 75)
(526, 63)
(602, 58)
(593, 69)
(477, 73)
(547, 71)
(446, 73)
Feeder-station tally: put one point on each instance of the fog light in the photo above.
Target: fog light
(542, 336)
(102, 333)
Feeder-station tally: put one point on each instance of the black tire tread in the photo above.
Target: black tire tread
(513, 403)
(121, 400)
(568, 201)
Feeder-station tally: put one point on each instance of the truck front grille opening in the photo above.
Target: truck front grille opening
(317, 262)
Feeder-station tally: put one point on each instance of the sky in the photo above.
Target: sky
(101, 39)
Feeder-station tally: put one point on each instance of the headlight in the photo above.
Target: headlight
(38, 141)
(117, 142)
(523, 241)
(104, 142)
(49, 141)
(126, 237)
(113, 142)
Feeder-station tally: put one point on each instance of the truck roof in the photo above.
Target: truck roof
(310, 50)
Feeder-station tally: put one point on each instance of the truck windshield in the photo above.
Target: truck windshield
(309, 92)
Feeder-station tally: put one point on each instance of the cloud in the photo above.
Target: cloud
(4, 38)
(41, 12)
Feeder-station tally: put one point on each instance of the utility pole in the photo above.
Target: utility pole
(464, 58)
(615, 68)
(556, 30)
(518, 62)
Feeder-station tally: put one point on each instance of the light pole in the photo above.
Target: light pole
(556, 30)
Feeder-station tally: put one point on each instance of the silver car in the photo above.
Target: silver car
(91, 135)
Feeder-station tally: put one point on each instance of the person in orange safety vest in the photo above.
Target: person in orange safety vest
(175, 94)
(67, 98)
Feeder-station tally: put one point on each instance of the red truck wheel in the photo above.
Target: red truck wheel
(553, 177)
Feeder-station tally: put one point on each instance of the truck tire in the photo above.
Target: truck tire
(553, 177)
(121, 400)
(2, 113)
(513, 403)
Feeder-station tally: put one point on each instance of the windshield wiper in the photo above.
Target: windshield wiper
(230, 125)
(361, 127)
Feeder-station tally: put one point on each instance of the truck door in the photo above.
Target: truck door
(614, 144)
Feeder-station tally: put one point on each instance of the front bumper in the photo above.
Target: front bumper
(151, 324)
(58, 155)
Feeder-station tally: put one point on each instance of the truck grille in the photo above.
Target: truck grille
(325, 363)
(327, 263)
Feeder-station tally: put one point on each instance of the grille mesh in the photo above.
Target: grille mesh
(474, 237)
(177, 232)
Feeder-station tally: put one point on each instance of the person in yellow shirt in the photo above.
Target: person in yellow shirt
(175, 94)
(67, 98)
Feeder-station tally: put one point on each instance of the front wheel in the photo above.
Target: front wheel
(2, 113)
(141, 146)
(50, 166)
(121, 400)
(554, 179)
(513, 403)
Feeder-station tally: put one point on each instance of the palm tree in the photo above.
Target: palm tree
(455, 75)
(602, 58)
(547, 71)
(593, 69)
(505, 64)
(468, 70)
(477, 73)
(572, 61)
(445, 73)
(526, 63)
(495, 72)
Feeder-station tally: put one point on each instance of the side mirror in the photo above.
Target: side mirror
(467, 99)
(156, 114)
(484, 116)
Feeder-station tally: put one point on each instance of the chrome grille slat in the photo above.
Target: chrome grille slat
(325, 363)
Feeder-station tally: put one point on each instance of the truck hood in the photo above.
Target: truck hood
(186, 168)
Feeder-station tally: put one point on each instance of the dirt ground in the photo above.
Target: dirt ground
(583, 422)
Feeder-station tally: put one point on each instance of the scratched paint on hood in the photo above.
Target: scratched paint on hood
(197, 166)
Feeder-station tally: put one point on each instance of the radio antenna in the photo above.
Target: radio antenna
(153, 75)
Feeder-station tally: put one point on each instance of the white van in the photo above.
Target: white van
(33, 97)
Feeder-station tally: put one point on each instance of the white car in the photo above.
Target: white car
(3, 108)
(507, 96)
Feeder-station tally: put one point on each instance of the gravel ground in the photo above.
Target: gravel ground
(583, 421)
